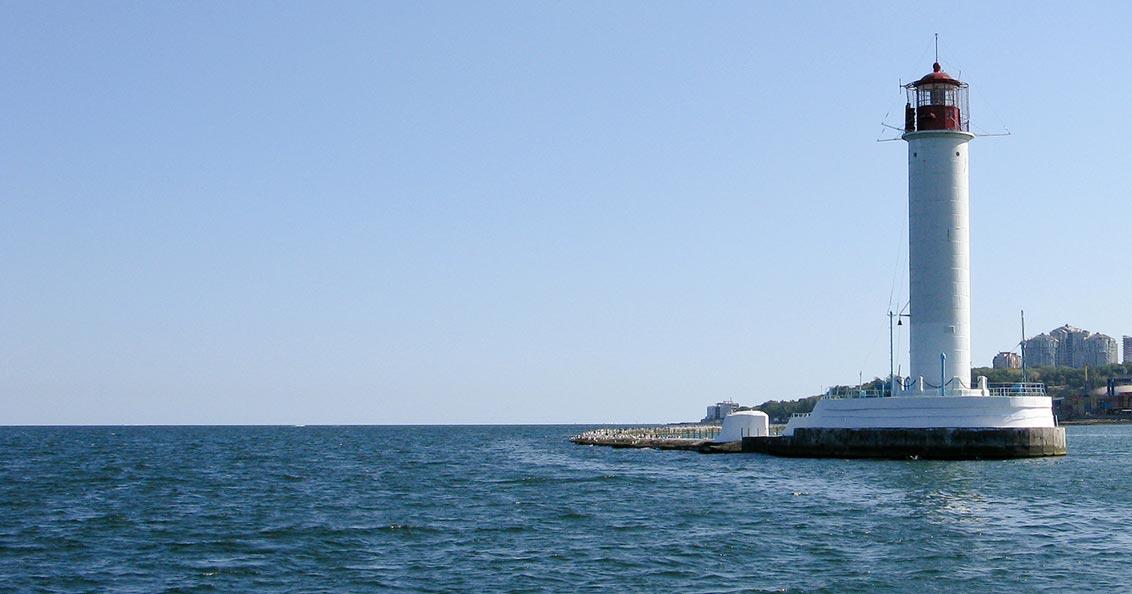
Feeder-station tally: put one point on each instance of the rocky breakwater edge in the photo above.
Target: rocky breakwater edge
(696, 438)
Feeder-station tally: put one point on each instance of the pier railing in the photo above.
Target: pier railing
(1017, 389)
(1004, 389)
(841, 393)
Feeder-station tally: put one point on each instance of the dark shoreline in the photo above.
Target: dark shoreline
(1100, 421)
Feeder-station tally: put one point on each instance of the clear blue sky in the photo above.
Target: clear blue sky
(481, 212)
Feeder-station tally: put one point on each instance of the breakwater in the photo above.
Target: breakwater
(699, 438)
(938, 444)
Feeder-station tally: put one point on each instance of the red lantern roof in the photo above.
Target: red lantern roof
(937, 76)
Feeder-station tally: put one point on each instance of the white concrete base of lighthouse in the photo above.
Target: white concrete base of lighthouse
(926, 412)
(929, 426)
(940, 443)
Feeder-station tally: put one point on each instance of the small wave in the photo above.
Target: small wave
(555, 480)
(573, 515)
(190, 513)
(231, 571)
(110, 520)
(398, 527)
(505, 529)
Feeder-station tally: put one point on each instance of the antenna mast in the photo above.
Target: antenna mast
(937, 48)
(1023, 343)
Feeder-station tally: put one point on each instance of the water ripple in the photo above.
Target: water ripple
(442, 509)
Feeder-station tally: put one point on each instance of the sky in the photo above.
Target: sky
(523, 212)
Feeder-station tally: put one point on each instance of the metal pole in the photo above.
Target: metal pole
(1023, 343)
(891, 377)
(942, 372)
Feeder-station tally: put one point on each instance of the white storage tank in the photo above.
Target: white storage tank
(745, 423)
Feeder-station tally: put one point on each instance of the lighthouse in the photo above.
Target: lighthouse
(939, 256)
(937, 413)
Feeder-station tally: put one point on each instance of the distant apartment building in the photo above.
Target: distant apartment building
(719, 410)
(1041, 351)
(1099, 350)
(1128, 349)
(1006, 360)
(1069, 346)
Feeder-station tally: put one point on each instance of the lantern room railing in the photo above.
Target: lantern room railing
(937, 106)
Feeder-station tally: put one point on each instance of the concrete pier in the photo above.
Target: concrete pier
(928, 444)
(704, 446)
(697, 438)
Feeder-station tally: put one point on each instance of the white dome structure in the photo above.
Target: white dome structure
(745, 423)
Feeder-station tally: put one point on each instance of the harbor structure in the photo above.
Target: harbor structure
(936, 412)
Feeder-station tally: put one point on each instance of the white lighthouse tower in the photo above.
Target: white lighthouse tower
(939, 258)
(936, 412)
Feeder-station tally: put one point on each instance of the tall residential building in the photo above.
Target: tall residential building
(1069, 346)
(1006, 360)
(1128, 349)
(1041, 351)
(1099, 350)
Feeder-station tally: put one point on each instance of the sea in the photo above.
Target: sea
(520, 509)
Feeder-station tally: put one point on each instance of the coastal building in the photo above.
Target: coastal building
(1069, 346)
(1041, 351)
(1119, 393)
(717, 411)
(1099, 350)
(1115, 399)
(1007, 360)
(1128, 349)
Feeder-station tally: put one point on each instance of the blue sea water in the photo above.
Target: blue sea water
(519, 509)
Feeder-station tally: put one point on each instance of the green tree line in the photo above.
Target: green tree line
(779, 411)
(1059, 381)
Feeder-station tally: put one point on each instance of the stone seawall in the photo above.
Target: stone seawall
(704, 446)
(939, 444)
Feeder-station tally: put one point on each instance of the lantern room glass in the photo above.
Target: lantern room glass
(939, 105)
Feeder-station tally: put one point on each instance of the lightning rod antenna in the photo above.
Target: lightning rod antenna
(937, 48)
